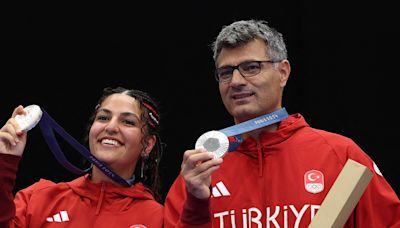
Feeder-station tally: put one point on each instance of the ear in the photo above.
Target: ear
(284, 69)
(151, 141)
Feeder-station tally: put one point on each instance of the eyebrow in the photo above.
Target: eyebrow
(125, 114)
(244, 61)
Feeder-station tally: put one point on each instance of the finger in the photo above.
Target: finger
(207, 172)
(15, 126)
(7, 137)
(189, 153)
(206, 168)
(196, 159)
(202, 170)
(19, 110)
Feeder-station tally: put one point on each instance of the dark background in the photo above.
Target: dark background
(344, 70)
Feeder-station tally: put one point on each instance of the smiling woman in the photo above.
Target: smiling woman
(123, 132)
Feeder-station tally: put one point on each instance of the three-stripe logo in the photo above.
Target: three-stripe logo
(62, 216)
(220, 190)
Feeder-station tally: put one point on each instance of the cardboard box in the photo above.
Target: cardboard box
(343, 196)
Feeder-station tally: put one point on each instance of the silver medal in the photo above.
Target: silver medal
(32, 117)
(213, 141)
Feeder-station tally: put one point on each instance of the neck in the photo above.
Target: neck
(97, 176)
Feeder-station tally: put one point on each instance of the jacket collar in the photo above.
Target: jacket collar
(84, 187)
(287, 128)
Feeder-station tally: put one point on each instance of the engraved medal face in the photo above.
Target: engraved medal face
(213, 141)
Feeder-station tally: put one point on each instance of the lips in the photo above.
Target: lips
(237, 96)
(111, 142)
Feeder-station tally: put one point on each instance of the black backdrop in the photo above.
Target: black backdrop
(61, 56)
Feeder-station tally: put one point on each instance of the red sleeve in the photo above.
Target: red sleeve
(8, 169)
(181, 209)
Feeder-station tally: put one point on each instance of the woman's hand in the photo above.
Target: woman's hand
(12, 139)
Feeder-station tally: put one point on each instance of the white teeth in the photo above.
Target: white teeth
(110, 142)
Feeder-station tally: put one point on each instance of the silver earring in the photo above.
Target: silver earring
(89, 169)
(145, 156)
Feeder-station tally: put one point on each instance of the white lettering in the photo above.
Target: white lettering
(285, 216)
(272, 218)
(244, 217)
(265, 119)
(233, 222)
(298, 215)
(275, 216)
(221, 218)
(255, 219)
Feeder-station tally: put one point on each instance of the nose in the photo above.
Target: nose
(237, 78)
(112, 126)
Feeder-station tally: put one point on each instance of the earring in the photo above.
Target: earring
(144, 156)
(89, 169)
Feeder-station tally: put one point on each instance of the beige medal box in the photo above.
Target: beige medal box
(343, 196)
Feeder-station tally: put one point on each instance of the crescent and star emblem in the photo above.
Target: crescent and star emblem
(312, 177)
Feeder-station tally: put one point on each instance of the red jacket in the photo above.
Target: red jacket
(79, 203)
(269, 183)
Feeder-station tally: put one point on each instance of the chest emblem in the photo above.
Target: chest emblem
(314, 181)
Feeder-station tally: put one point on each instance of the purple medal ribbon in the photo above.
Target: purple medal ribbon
(48, 125)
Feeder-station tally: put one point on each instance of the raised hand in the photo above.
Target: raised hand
(196, 169)
(12, 138)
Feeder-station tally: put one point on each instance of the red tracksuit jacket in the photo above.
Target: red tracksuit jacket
(281, 181)
(79, 203)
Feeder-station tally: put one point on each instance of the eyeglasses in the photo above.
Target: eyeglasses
(246, 69)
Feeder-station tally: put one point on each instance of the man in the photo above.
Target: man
(281, 172)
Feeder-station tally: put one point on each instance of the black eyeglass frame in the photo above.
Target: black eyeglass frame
(238, 67)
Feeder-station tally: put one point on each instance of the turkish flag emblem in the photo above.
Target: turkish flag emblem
(314, 181)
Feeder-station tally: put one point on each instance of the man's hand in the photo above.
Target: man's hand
(196, 169)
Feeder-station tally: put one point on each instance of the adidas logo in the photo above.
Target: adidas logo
(220, 190)
(62, 216)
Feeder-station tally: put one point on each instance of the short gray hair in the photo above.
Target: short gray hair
(241, 32)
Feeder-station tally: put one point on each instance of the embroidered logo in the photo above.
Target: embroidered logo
(314, 181)
(220, 190)
(62, 216)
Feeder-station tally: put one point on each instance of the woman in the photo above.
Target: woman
(124, 134)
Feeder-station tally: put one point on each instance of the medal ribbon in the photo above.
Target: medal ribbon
(48, 125)
(253, 124)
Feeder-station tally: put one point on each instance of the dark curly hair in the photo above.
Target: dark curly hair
(151, 126)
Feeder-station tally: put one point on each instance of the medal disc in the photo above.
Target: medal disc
(30, 119)
(213, 141)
